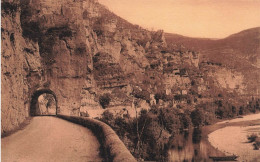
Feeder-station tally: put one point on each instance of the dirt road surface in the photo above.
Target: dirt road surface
(50, 139)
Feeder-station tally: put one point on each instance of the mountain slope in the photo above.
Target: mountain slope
(240, 52)
(245, 44)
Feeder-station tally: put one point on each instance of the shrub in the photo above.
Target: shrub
(241, 110)
(197, 117)
(104, 100)
(257, 105)
(107, 117)
(220, 112)
(9, 8)
(145, 95)
(143, 112)
(234, 110)
(185, 120)
(257, 144)
(123, 126)
(251, 138)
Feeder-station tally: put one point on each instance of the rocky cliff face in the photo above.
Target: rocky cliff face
(50, 46)
(238, 54)
(44, 47)
(64, 45)
(21, 67)
(79, 51)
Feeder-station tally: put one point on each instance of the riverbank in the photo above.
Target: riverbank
(230, 136)
(247, 120)
(250, 117)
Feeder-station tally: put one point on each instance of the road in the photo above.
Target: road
(50, 139)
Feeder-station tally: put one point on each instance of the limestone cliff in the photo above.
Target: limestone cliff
(238, 54)
(49, 47)
(79, 51)
(21, 68)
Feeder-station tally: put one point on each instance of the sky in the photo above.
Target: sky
(194, 18)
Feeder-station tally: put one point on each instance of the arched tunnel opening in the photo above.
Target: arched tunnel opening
(43, 102)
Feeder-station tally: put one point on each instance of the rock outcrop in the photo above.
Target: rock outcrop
(20, 67)
(79, 51)
(50, 46)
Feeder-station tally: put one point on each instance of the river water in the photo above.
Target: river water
(191, 146)
(194, 145)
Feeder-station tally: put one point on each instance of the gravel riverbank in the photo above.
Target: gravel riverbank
(231, 137)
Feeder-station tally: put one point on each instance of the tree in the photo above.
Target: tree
(108, 118)
(241, 110)
(197, 117)
(234, 110)
(185, 120)
(220, 112)
(170, 120)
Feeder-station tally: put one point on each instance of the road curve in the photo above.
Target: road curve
(50, 139)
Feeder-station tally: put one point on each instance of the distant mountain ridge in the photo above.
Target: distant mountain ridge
(246, 43)
(239, 51)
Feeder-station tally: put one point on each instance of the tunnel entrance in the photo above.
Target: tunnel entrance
(43, 102)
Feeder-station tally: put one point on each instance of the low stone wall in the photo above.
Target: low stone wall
(113, 148)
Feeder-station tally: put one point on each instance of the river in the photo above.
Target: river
(219, 139)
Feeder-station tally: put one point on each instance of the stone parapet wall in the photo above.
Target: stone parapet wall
(112, 147)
